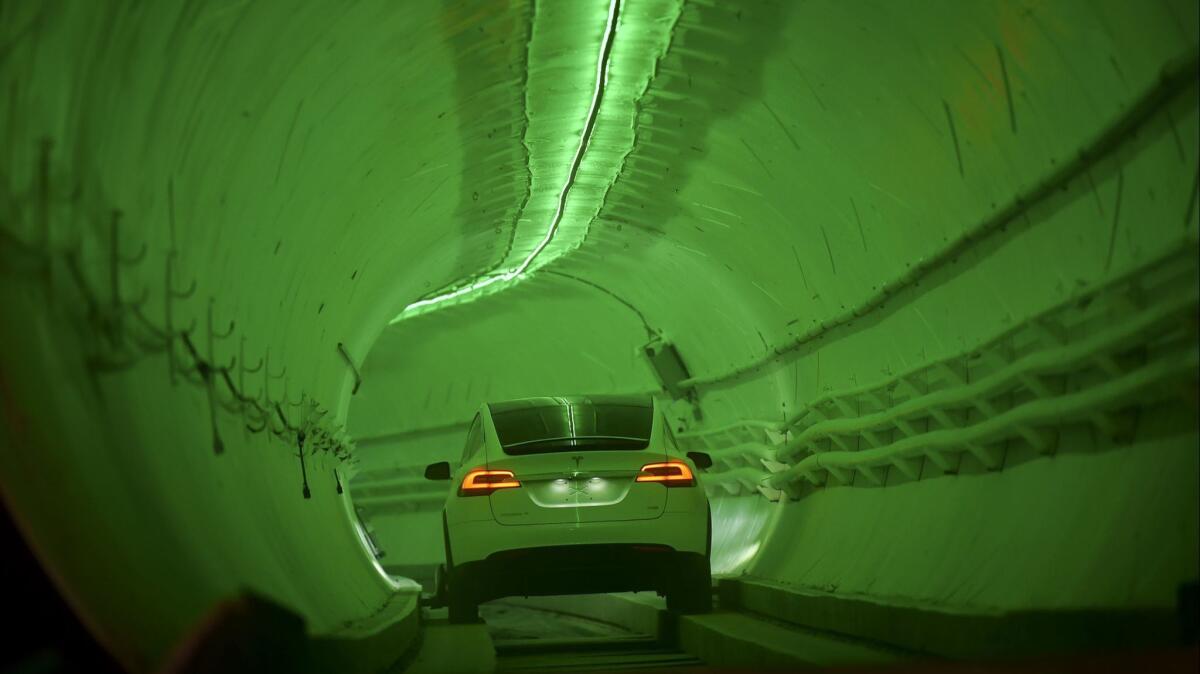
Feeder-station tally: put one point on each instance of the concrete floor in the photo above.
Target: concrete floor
(519, 636)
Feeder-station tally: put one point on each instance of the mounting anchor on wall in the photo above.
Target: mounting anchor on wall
(206, 369)
(299, 431)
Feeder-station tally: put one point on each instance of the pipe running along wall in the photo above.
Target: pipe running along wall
(931, 271)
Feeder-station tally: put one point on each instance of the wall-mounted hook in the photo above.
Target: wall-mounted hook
(242, 353)
(170, 294)
(282, 432)
(115, 261)
(281, 375)
(177, 294)
(267, 376)
(135, 259)
(213, 335)
(242, 369)
(353, 368)
(287, 398)
(284, 401)
(128, 326)
(262, 415)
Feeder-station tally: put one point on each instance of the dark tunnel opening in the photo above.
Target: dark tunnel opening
(920, 280)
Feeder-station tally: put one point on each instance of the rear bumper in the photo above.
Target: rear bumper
(481, 540)
(577, 569)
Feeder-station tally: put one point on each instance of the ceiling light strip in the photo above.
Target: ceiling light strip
(606, 43)
(601, 79)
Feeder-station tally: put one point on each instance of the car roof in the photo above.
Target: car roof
(564, 401)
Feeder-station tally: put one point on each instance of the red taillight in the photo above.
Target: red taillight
(481, 482)
(670, 474)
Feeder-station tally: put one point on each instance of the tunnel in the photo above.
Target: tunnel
(920, 277)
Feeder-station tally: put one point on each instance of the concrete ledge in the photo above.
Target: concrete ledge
(722, 639)
(465, 649)
(740, 641)
(966, 636)
(374, 652)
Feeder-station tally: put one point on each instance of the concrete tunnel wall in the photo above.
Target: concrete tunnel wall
(808, 200)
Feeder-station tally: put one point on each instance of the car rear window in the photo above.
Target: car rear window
(573, 426)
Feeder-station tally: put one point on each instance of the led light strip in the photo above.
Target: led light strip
(610, 30)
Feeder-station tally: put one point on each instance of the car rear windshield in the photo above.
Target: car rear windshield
(573, 426)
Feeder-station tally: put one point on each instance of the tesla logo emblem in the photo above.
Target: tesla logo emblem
(577, 487)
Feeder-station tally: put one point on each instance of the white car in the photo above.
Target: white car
(574, 495)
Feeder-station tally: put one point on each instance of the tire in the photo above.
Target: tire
(692, 591)
(439, 587)
(464, 609)
(453, 588)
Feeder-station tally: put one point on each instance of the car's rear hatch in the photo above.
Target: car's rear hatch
(577, 460)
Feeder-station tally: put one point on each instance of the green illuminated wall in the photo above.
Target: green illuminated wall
(805, 198)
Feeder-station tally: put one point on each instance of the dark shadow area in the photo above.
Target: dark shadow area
(41, 633)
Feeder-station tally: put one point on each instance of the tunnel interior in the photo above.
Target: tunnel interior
(921, 278)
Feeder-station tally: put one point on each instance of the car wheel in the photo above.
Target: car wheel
(439, 586)
(692, 589)
(460, 600)
(462, 610)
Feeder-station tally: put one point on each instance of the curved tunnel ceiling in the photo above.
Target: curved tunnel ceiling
(219, 218)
